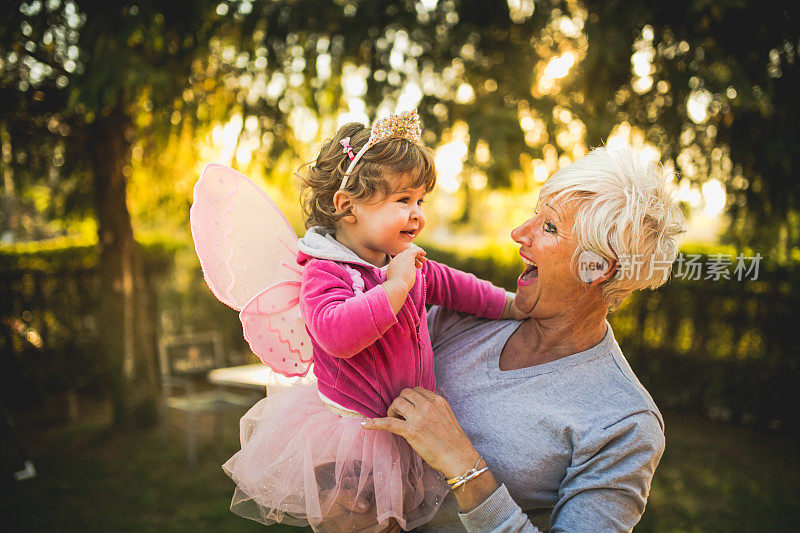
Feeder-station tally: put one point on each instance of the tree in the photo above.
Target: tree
(712, 85)
(73, 78)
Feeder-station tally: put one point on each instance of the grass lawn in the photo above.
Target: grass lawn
(713, 477)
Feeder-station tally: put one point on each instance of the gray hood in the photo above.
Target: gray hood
(320, 242)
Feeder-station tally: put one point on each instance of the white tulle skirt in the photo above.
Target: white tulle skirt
(301, 463)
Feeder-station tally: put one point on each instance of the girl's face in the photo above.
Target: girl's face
(548, 285)
(385, 226)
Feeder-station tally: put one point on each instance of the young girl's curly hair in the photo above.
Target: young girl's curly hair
(390, 157)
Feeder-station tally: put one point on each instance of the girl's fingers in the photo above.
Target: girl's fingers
(347, 499)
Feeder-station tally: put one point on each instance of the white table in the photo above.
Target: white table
(257, 376)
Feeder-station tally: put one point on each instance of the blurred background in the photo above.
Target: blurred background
(110, 109)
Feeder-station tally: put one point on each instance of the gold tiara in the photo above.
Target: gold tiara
(405, 125)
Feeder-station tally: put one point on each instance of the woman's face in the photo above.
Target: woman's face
(548, 284)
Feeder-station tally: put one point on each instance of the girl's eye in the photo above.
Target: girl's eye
(550, 228)
(420, 201)
(403, 200)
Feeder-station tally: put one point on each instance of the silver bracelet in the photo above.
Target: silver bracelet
(455, 482)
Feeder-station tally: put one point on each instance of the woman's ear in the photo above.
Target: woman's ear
(610, 271)
(344, 204)
(594, 269)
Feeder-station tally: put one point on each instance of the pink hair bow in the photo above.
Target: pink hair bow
(347, 148)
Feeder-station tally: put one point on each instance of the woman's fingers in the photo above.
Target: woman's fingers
(400, 408)
(425, 393)
(430, 427)
(413, 396)
(392, 425)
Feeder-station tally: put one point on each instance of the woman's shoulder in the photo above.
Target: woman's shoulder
(639, 398)
(445, 325)
(617, 392)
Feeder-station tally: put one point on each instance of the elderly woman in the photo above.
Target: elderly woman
(541, 423)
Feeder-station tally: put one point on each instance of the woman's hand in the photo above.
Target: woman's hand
(426, 421)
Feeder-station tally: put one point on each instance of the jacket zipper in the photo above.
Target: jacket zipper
(410, 315)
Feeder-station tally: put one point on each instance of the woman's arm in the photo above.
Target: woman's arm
(608, 482)
(605, 488)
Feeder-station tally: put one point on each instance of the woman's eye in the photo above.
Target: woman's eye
(420, 201)
(403, 200)
(550, 228)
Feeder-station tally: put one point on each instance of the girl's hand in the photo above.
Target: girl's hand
(400, 275)
(512, 311)
(403, 266)
(426, 421)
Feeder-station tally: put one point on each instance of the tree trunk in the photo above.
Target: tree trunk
(8, 217)
(126, 327)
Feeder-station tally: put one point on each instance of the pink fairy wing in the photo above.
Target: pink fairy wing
(275, 330)
(244, 242)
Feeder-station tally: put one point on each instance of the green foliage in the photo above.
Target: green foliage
(64, 254)
(735, 64)
(174, 69)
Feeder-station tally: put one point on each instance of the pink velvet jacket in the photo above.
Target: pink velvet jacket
(364, 354)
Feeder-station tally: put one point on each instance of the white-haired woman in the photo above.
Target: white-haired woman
(541, 423)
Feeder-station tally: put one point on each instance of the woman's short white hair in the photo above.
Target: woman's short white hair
(624, 214)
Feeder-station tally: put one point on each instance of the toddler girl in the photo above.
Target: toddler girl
(305, 458)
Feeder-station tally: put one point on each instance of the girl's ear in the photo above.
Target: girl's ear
(343, 203)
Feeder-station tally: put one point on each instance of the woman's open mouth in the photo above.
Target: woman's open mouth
(530, 274)
(410, 233)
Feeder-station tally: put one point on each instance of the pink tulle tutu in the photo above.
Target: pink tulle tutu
(301, 464)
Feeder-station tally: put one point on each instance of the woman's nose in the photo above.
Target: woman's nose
(521, 234)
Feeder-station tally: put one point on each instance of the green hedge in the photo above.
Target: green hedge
(49, 314)
(724, 349)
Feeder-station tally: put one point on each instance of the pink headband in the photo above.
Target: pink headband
(405, 125)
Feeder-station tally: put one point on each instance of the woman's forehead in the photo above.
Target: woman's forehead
(563, 207)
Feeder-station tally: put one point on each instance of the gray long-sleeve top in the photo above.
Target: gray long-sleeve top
(574, 443)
